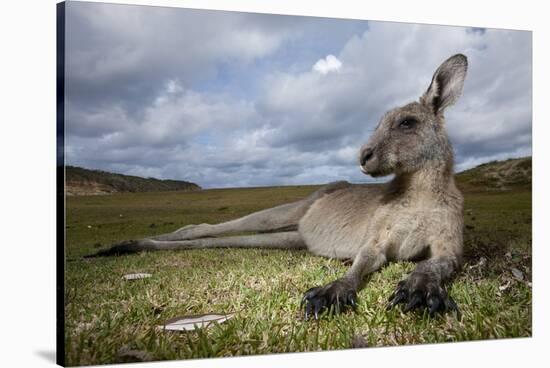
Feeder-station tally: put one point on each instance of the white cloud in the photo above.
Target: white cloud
(172, 86)
(327, 65)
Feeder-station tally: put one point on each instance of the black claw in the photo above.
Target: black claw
(318, 305)
(400, 287)
(433, 303)
(400, 296)
(351, 300)
(334, 299)
(414, 302)
(307, 311)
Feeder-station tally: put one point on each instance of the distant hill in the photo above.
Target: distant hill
(497, 175)
(80, 181)
(491, 176)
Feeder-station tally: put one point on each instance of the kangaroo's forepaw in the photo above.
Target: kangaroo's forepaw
(420, 291)
(337, 295)
(125, 247)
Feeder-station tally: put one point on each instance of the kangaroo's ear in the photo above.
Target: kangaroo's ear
(447, 83)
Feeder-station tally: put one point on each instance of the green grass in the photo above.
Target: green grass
(105, 313)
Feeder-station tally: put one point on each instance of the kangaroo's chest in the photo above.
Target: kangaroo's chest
(404, 233)
(338, 225)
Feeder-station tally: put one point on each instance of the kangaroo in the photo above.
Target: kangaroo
(417, 216)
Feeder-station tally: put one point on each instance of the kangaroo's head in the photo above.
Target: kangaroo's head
(413, 136)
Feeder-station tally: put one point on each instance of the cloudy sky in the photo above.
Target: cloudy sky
(227, 99)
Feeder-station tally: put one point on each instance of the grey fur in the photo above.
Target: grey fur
(416, 215)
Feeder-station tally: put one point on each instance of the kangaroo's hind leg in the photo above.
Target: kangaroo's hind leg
(280, 218)
(281, 240)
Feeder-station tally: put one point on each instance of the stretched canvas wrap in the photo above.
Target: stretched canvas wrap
(237, 184)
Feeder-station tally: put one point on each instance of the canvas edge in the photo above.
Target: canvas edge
(60, 184)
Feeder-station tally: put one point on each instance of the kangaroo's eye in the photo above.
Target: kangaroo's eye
(407, 123)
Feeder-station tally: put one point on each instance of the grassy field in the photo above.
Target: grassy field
(106, 315)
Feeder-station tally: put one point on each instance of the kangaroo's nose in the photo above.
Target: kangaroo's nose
(366, 155)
